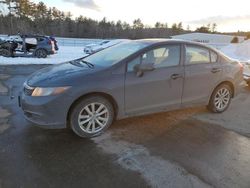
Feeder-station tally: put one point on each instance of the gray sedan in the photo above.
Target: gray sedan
(129, 79)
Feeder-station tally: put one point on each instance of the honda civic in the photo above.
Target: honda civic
(132, 78)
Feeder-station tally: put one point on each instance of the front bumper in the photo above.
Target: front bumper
(48, 112)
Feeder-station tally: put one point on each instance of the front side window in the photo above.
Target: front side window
(161, 57)
(197, 55)
(132, 63)
(166, 56)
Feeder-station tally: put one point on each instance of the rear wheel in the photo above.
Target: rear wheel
(220, 99)
(41, 53)
(92, 116)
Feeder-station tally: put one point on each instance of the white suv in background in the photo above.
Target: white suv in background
(95, 47)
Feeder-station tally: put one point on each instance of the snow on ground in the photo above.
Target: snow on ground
(64, 54)
(240, 51)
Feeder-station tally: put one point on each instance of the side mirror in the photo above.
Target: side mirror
(141, 68)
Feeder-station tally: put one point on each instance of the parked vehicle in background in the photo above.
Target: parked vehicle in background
(6, 48)
(27, 45)
(246, 72)
(130, 79)
(92, 48)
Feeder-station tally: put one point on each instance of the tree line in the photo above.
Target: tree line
(25, 16)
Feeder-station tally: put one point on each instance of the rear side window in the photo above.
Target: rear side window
(197, 55)
(214, 57)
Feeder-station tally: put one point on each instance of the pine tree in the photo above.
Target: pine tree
(235, 40)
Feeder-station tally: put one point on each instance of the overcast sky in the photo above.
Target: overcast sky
(229, 15)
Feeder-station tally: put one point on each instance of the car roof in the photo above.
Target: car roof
(155, 41)
(32, 36)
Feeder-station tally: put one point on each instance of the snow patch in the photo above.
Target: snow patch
(239, 51)
(65, 53)
(156, 171)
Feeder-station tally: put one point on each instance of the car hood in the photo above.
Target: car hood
(91, 45)
(64, 74)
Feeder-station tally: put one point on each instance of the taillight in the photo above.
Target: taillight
(49, 42)
(241, 67)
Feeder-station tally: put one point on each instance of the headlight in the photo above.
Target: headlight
(47, 91)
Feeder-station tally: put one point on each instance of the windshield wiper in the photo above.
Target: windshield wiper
(90, 65)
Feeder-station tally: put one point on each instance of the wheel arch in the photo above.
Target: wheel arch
(102, 94)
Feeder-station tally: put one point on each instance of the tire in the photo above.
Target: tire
(220, 99)
(90, 124)
(41, 53)
(5, 53)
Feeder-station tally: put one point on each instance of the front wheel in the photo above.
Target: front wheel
(220, 99)
(5, 53)
(91, 116)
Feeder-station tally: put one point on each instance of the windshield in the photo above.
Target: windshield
(114, 54)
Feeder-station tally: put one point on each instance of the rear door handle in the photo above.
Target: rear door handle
(215, 70)
(175, 76)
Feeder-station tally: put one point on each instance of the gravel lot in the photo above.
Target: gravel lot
(184, 148)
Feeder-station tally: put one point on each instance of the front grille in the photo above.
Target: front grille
(28, 90)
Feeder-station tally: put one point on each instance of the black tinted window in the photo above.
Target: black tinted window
(40, 39)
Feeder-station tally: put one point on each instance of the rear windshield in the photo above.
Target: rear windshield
(115, 54)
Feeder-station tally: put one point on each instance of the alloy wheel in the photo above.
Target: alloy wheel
(222, 98)
(93, 117)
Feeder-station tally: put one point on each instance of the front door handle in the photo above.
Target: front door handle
(176, 76)
(215, 70)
